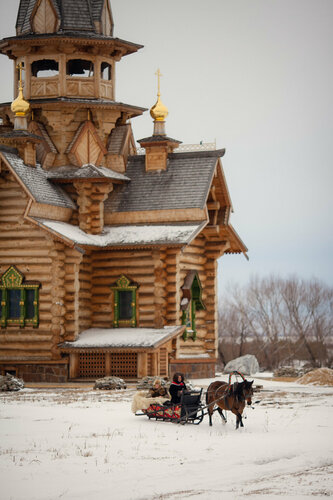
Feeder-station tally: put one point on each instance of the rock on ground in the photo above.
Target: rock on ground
(110, 383)
(247, 365)
(10, 383)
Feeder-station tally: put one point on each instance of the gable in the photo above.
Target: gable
(35, 183)
(45, 150)
(86, 146)
(106, 20)
(44, 18)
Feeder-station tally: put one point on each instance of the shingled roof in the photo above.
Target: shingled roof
(35, 181)
(184, 184)
(74, 15)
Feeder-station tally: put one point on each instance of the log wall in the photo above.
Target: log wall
(26, 247)
(85, 293)
(107, 267)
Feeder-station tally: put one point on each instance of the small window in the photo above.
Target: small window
(125, 305)
(45, 68)
(29, 303)
(106, 71)
(14, 299)
(80, 67)
(18, 300)
(124, 302)
(191, 302)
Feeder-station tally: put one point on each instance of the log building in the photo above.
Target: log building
(108, 255)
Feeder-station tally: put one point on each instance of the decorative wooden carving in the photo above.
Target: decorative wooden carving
(45, 87)
(106, 90)
(80, 87)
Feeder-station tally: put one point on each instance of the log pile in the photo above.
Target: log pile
(10, 383)
(110, 383)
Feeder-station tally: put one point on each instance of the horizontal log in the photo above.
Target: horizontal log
(24, 337)
(27, 347)
(22, 243)
(108, 255)
(8, 356)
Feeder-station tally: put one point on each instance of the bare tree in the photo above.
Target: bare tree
(280, 319)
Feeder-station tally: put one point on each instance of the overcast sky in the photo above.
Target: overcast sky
(256, 76)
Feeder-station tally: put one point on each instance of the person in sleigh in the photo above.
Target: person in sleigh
(143, 399)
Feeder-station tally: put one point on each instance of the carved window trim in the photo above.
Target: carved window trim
(13, 280)
(124, 284)
(190, 303)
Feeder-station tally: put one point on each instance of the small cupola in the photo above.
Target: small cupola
(20, 107)
(159, 145)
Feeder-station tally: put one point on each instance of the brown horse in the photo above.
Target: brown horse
(230, 397)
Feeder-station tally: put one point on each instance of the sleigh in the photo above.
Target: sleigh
(190, 410)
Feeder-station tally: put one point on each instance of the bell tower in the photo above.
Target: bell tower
(69, 57)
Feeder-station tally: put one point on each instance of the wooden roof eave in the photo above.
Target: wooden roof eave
(224, 184)
(160, 343)
(56, 236)
(119, 47)
(236, 243)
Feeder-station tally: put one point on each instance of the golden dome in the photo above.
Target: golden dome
(159, 112)
(20, 106)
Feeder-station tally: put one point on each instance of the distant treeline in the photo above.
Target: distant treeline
(279, 321)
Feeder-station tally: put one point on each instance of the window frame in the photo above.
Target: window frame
(192, 302)
(124, 284)
(13, 279)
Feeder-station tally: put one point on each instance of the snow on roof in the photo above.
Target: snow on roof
(123, 337)
(126, 235)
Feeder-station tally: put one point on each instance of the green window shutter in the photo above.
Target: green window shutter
(124, 302)
(3, 316)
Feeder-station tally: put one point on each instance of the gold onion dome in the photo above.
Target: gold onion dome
(159, 112)
(20, 106)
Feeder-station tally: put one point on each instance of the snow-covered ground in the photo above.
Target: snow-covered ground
(84, 444)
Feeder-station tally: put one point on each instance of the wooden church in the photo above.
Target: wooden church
(108, 252)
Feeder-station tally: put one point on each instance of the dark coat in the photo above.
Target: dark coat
(176, 392)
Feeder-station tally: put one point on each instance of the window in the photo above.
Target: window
(18, 300)
(45, 68)
(191, 302)
(80, 67)
(124, 302)
(106, 71)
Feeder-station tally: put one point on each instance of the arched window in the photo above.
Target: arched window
(18, 299)
(45, 68)
(106, 71)
(80, 67)
(124, 302)
(190, 303)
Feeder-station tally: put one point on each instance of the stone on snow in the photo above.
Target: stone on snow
(246, 365)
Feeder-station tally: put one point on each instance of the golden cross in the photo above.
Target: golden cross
(20, 68)
(158, 74)
(12, 279)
